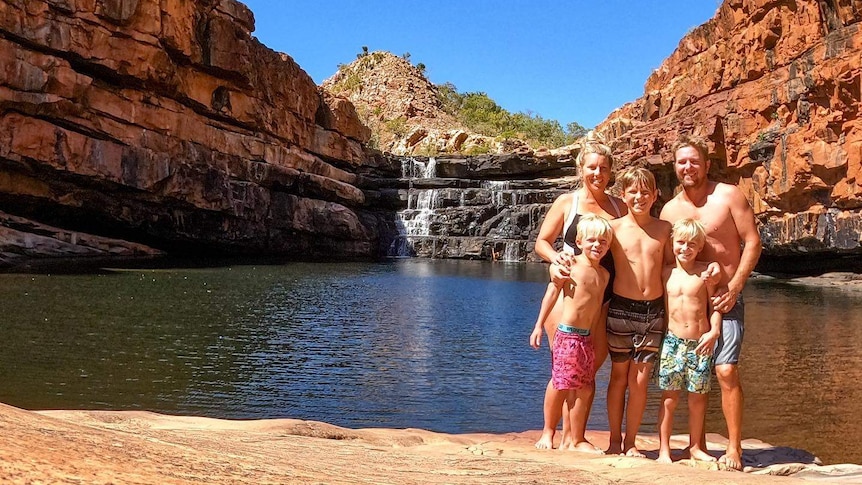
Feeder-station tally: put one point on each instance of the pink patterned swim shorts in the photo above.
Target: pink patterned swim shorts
(572, 361)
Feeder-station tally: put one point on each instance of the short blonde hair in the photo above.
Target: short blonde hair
(696, 143)
(637, 176)
(591, 225)
(595, 143)
(689, 230)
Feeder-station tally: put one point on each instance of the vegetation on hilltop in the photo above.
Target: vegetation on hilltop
(481, 114)
(396, 100)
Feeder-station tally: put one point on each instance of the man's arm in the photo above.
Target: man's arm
(706, 342)
(746, 227)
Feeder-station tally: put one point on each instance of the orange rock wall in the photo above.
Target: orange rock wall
(167, 121)
(774, 86)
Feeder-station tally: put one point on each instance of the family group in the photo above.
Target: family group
(662, 296)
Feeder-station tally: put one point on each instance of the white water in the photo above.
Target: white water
(423, 204)
(512, 252)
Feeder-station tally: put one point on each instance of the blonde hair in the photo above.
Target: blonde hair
(591, 225)
(696, 143)
(689, 230)
(595, 143)
(637, 176)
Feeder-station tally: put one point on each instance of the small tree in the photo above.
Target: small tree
(574, 130)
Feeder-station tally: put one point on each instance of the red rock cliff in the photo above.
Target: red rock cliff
(775, 88)
(167, 122)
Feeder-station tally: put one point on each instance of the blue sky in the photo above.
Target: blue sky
(566, 60)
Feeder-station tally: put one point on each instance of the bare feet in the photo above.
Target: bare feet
(615, 448)
(634, 452)
(698, 454)
(587, 447)
(546, 442)
(664, 458)
(732, 460)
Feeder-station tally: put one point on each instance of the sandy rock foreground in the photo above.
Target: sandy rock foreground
(147, 448)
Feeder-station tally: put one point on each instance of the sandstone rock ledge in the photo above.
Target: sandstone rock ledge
(145, 448)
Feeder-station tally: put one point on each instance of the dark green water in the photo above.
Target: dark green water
(440, 345)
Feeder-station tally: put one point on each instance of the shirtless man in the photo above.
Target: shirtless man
(732, 240)
(636, 315)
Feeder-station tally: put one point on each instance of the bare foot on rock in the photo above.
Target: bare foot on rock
(546, 442)
(587, 447)
(732, 460)
(634, 452)
(664, 458)
(700, 455)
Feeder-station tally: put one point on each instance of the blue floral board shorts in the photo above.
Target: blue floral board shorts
(680, 367)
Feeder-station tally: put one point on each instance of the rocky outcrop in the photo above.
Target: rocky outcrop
(136, 447)
(22, 241)
(775, 88)
(403, 108)
(167, 123)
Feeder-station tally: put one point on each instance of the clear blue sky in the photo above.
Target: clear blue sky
(565, 60)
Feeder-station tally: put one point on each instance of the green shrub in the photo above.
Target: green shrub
(397, 126)
(483, 115)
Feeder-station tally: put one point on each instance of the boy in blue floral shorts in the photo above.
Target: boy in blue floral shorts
(693, 327)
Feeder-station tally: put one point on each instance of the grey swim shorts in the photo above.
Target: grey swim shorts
(729, 344)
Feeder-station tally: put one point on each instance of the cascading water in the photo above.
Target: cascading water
(415, 220)
(460, 217)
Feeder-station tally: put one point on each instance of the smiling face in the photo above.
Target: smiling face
(685, 249)
(639, 198)
(596, 172)
(690, 167)
(594, 246)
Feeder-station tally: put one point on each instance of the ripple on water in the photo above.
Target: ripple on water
(440, 345)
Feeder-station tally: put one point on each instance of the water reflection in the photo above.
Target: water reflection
(440, 345)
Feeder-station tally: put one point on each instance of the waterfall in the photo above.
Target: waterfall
(512, 253)
(453, 210)
(415, 221)
(499, 189)
(430, 170)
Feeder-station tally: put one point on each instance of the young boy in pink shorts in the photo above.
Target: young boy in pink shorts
(572, 355)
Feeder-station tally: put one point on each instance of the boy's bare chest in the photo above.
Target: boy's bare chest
(640, 242)
(683, 284)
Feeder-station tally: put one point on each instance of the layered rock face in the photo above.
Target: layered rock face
(483, 207)
(774, 86)
(168, 123)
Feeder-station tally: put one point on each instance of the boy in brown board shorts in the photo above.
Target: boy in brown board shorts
(573, 356)
(692, 330)
(636, 317)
